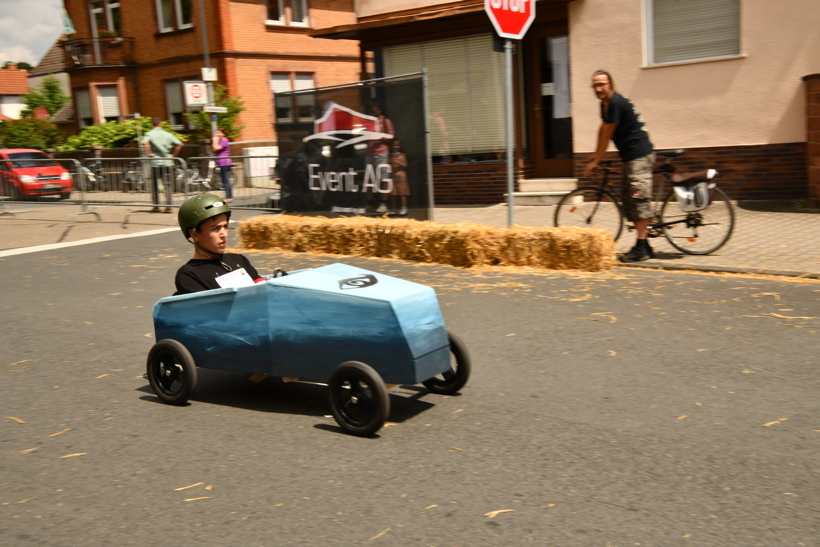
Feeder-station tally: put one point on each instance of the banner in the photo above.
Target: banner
(357, 149)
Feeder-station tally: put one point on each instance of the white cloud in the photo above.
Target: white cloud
(28, 28)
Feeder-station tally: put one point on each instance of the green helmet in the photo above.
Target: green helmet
(199, 208)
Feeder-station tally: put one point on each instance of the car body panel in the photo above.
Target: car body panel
(305, 325)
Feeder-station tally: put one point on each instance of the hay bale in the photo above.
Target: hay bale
(462, 245)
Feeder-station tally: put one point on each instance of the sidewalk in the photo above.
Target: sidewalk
(770, 237)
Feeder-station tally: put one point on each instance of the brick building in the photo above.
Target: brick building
(133, 56)
(721, 78)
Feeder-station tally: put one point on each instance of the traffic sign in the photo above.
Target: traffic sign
(511, 18)
(196, 94)
(216, 109)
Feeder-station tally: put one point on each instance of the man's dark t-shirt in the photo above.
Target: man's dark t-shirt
(200, 275)
(630, 137)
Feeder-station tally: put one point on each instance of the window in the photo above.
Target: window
(174, 14)
(692, 30)
(305, 104)
(105, 16)
(85, 115)
(108, 103)
(287, 12)
(465, 91)
(176, 104)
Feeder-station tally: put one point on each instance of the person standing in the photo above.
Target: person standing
(398, 168)
(159, 143)
(624, 125)
(222, 149)
(378, 150)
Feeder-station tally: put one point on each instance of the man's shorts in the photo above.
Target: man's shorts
(636, 188)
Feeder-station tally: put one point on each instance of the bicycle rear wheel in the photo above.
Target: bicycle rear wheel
(700, 232)
(590, 208)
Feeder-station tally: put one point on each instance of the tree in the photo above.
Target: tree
(30, 133)
(48, 94)
(201, 121)
(22, 65)
(114, 134)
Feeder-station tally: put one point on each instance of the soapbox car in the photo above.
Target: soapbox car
(350, 328)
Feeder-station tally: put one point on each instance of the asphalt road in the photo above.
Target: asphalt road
(626, 408)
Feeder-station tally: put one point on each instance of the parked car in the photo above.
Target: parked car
(26, 174)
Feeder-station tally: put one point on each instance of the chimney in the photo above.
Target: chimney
(11, 66)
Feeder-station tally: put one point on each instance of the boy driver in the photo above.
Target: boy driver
(204, 221)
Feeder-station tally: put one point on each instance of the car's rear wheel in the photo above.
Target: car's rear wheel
(358, 398)
(171, 372)
(454, 379)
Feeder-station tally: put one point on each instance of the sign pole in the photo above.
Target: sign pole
(511, 19)
(508, 96)
(210, 84)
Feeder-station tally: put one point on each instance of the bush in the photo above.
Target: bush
(30, 133)
(201, 121)
(113, 134)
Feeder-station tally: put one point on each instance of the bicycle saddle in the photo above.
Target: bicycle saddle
(685, 179)
(670, 153)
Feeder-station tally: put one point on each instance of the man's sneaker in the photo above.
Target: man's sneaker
(635, 254)
(382, 208)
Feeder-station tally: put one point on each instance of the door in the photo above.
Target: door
(548, 98)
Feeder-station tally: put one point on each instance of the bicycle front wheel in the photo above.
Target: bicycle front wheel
(699, 232)
(590, 208)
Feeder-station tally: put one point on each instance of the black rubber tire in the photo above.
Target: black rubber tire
(64, 196)
(717, 222)
(454, 379)
(583, 208)
(171, 372)
(358, 398)
(14, 194)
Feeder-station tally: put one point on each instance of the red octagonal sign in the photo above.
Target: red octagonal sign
(511, 18)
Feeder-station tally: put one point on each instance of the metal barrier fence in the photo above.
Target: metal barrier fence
(148, 182)
(30, 176)
(252, 182)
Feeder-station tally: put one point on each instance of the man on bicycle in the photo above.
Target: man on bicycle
(623, 124)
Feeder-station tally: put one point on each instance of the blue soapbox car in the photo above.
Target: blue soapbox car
(350, 328)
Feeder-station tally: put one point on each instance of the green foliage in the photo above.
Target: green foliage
(22, 65)
(48, 94)
(201, 121)
(114, 134)
(30, 133)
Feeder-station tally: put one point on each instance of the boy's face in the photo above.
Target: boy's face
(213, 234)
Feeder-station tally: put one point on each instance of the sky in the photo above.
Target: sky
(28, 28)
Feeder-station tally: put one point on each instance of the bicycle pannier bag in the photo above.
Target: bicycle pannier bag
(693, 198)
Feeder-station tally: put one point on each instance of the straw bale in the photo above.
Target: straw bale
(462, 245)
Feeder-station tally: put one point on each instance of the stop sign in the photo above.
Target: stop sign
(511, 18)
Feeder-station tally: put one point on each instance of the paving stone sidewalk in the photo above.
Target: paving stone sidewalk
(773, 237)
(769, 237)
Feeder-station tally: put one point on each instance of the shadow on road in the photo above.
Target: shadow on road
(273, 395)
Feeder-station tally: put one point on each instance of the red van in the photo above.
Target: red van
(24, 175)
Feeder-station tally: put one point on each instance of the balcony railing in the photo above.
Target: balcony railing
(113, 50)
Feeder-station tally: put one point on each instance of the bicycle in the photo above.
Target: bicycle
(695, 217)
(192, 179)
(133, 179)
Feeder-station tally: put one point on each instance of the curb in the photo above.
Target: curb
(721, 269)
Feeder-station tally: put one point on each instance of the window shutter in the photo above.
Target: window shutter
(83, 103)
(465, 91)
(694, 29)
(486, 94)
(173, 94)
(280, 83)
(109, 101)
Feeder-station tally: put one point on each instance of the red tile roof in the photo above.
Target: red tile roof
(13, 81)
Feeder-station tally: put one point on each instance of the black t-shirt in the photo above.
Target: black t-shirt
(630, 137)
(200, 275)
